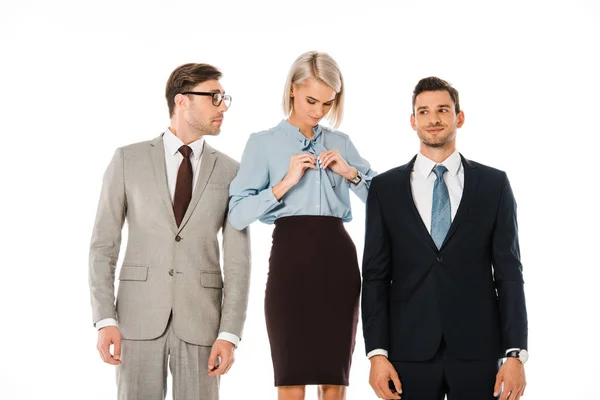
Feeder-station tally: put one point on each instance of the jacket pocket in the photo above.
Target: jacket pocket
(211, 280)
(133, 273)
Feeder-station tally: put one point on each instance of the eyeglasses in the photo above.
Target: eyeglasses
(217, 98)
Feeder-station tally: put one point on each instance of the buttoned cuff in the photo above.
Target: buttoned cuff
(230, 337)
(103, 323)
(377, 352)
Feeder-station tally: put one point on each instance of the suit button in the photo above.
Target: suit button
(439, 258)
(171, 272)
(178, 238)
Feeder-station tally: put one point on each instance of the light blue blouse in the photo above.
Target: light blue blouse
(265, 163)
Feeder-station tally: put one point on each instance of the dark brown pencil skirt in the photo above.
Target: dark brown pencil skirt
(311, 301)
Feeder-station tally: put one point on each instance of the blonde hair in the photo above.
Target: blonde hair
(321, 67)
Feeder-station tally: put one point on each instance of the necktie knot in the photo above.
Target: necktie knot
(186, 151)
(439, 171)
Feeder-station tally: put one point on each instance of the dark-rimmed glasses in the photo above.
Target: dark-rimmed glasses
(217, 98)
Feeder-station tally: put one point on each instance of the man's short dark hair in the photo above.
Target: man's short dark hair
(185, 78)
(433, 84)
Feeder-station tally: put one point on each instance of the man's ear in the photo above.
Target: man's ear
(461, 119)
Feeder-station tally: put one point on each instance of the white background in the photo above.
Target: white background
(79, 79)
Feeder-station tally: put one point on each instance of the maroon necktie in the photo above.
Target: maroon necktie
(183, 187)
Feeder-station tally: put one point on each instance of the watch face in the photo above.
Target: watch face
(523, 356)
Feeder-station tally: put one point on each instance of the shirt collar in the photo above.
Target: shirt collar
(424, 165)
(294, 132)
(173, 143)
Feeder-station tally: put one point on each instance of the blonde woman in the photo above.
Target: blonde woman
(298, 176)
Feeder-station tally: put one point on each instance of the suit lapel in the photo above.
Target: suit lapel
(420, 228)
(207, 165)
(157, 153)
(469, 190)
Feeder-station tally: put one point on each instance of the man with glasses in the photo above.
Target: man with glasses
(175, 305)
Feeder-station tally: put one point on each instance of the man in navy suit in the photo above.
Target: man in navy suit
(443, 301)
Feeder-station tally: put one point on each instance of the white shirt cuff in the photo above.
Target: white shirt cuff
(103, 323)
(377, 352)
(509, 350)
(230, 337)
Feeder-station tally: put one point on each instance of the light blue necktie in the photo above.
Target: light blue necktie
(440, 210)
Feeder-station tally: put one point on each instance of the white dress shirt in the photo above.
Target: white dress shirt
(173, 160)
(422, 179)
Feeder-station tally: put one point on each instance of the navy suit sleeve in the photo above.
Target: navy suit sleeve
(376, 275)
(508, 271)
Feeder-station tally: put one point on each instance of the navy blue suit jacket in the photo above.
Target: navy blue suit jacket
(470, 291)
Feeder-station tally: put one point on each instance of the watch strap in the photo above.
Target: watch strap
(513, 353)
(356, 180)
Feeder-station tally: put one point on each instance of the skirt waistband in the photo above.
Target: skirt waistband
(307, 220)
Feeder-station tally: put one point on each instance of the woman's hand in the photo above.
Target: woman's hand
(298, 165)
(333, 160)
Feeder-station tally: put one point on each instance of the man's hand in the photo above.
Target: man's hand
(221, 358)
(107, 336)
(382, 371)
(512, 373)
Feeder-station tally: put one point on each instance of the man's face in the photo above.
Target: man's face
(435, 119)
(201, 115)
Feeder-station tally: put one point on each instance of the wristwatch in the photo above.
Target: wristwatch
(356, 180)
(521, 355)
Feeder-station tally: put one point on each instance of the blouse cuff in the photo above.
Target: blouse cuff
(268, 200)
(362, 189)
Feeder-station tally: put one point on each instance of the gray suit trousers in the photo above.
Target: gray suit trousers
(143, 372)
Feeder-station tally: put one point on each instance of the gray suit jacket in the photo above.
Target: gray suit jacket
(168, 268)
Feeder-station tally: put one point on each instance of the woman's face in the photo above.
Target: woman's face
(312, 101)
